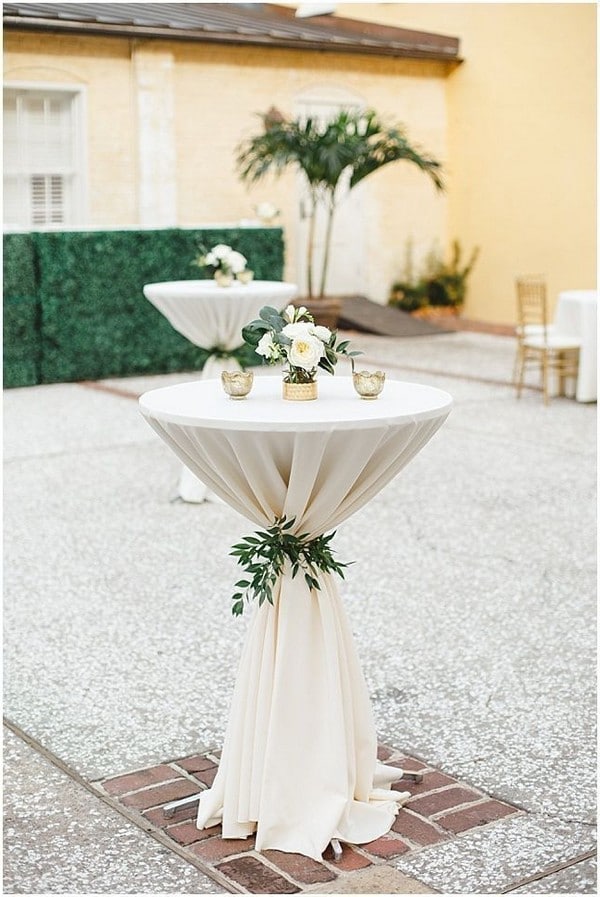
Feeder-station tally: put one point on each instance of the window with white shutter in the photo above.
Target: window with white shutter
(43, 177)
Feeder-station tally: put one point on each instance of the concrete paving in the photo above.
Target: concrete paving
(472, 601)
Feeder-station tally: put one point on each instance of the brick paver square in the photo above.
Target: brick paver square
(257, 878)
(433, 815)
(471, 817)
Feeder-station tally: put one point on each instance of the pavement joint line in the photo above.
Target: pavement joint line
(551, 870)
(145, 826)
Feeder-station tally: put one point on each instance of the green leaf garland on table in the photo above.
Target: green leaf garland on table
(263, 555)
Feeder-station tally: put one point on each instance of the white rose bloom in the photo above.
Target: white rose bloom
(323, 333)
(267, 348)
(300, 329)
(288, 314)
(305, 352)
(236, 261)
(211, 259)
(221, 251)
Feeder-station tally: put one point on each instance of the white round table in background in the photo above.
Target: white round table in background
(577, 315)
(211, 316)
(299, 762)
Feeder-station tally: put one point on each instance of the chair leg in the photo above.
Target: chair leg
(545, 377)
(519, 371)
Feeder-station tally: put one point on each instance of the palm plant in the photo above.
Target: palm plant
(330, 156)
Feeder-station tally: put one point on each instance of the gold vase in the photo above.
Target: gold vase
(300, 392)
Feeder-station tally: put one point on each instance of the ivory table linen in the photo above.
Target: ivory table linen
(210, 316)
(576, 315)
(299, 760)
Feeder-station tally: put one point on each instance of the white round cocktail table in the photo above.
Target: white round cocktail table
(212, 318)
(577, 315)
(299, 762)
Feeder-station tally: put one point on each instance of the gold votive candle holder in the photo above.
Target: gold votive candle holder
(237, 384)
(368, 384)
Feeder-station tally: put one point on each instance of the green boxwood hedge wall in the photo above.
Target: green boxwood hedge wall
(92, 317)
(21, 314)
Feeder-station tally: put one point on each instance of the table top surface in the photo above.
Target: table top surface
(185, 289)
(205, 404)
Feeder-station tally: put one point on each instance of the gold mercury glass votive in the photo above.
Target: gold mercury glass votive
(237, 384)
(368, 385)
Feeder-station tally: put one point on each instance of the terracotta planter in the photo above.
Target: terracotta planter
(437, 311)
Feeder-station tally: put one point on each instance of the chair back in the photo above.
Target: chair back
(532, 312)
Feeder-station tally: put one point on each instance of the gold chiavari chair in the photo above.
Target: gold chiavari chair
(538, 343)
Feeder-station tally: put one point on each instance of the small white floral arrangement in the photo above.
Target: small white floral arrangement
(266, 212)
(224, 260)
(292, 338)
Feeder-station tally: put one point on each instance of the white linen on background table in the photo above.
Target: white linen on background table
(299, 760)
(576, 315)
(209, 316)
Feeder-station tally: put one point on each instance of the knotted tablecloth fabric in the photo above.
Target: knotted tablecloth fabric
(299, 760)
(212, 317)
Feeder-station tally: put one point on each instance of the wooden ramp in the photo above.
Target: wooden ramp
(359, 313)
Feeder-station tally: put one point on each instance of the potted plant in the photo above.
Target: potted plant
(441, 287)
(332, 157)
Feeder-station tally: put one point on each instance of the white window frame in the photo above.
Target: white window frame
(78, 216)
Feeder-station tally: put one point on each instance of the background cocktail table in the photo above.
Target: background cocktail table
(577, 315)
(212, 317)
(299, 760)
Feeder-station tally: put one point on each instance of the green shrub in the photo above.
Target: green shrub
(21, 315)
(95, 321)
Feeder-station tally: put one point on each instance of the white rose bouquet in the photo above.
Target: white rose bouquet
(292, 338)
(222, 258)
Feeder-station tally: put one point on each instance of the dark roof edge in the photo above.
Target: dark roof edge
(408, 51)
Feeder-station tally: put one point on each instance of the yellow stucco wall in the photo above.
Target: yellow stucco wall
(218, 91)
(514, 126)
(521, 140)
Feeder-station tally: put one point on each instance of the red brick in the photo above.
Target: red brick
(216, 849)
(207, 776)
(386, 846)
(187, 833)
(297, 866)
(442, 800)
(196, 763)
(161, 794)
(430, 781)
(256, 878)
(157, 816)
(471, 817)
(349, 861)
(383, 752)
(416, 829)
(141, 779)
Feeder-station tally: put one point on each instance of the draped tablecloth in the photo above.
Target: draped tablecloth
(299, 760)
(212, 317)
(576, 315)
